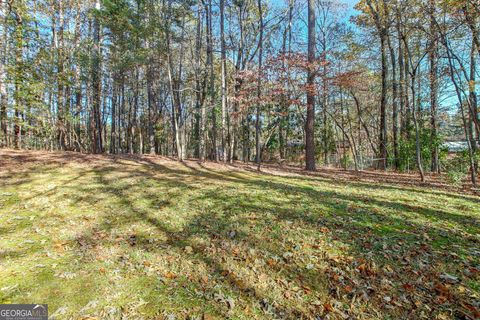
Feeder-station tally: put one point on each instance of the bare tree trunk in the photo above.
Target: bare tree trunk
(396, 159)
(224, 79)
(258, 152)
(282, 128)
(151, 112)
(200, 98)
(408, 111)
(433, 57)
(179, 83)
(393, 61)
(472, 97)
(284, 107)
(18, 8)
(353, 143)
(174, 86)
(97, 86)
(238, 85)
(418, 152)
(290, 19)
(199, 105)
(383, 105)
(3, 76)
(401, 69)
(211, 85)
(113, 122)
(77, 82)
(309, 123)
(59, 44)
(382, 32)
(325, 110)
(176, 130)
(417, 134)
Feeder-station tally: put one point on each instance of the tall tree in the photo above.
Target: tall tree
(211, 83)
(224, 79)
(413, 71)
(96, 118)
(310, 119)
(433, 77)
(393, 61)
(258, 147)
(19, 10)
(3, 74)
(378, 18)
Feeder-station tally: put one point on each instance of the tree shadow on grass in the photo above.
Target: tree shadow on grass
(180, 239)
(373, 180)
(253, 208)
(351, 231)
(258, 181)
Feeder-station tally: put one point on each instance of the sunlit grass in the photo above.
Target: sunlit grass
(147, 238)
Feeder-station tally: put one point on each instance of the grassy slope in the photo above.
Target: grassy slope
(146, 238)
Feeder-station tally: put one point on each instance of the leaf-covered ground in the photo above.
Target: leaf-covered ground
(149, 238)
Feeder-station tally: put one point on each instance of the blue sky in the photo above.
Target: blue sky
(350, 4)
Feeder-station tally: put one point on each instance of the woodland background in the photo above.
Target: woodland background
(382, 85)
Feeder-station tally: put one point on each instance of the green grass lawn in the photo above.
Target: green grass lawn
(145, 237)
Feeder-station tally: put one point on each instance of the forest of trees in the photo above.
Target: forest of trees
(382, 85)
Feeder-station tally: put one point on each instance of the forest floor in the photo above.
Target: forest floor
(105, 237)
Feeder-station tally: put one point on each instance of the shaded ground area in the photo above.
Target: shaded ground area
(146, 237)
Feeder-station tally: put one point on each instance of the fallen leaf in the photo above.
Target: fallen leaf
(407, 287)
(147, 263)
(443, 291)
(324, 230)
(224, 273)
(271, 262)
(327, 307)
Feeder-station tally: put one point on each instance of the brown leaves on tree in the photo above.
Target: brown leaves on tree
(283, 79)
